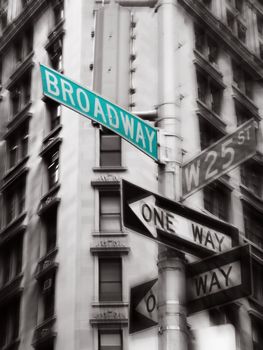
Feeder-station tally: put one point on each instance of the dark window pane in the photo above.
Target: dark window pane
(110, 211)
(253, 226)
(252, 177)
(216, 200)
(29, 41)
(10, 207)
(51, 231)
(49, 300)
(110, 149)
(208, 134)
(19, 50)
(110, 280)
(53, 170)
(110, 159)
(110, 340)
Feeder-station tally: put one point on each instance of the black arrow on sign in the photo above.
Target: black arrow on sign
(139, 322)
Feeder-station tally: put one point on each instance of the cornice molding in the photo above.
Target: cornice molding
(21, 69)
(245, 101)
(211, 117)
(204, 65)
(253, 63)
(15, 27)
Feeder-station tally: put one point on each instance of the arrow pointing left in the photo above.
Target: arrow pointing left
(143, 306)
(155, 218)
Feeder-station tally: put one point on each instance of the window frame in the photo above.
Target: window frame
(104, 133)
(252, 220)
(115, 193)
(110, 331)
(118, 282)
(18, 142)
(53, 169)
(206, 85)
(219, 198)
(14, 197)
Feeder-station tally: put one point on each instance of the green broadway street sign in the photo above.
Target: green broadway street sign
(130, 127)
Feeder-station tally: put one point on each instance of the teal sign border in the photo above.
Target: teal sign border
(130, 127)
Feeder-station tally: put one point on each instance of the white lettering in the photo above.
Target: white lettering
(192, 174)
(86, 106)
(67, 90)
(99, 111)
(113, 117)
(150, 136)
(128, 124)
(139, 135)
(52, 83)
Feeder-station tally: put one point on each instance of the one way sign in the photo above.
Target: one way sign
(174, 224)
(219, 279)
(143, 306)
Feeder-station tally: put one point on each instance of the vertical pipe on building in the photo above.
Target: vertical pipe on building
(171, 264)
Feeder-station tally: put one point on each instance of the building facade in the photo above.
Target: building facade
(67, 263)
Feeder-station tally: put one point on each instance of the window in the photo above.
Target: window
(208, 134)
(14, 201)
(110, 217)
(54, 111)
(18, 50)
(252, 177)
(17, 146)
(243, 80)
(28, 40)
(242, 114)
(260, 23)
(257, 276)
(53, 169)
(4, 14)
(110, 149)
(253, 225)
(110, 339)
(23, 45)
(261, 50)
(24, 3)
(110, 279)
(55, 54)
(9, 323)
(237, 4)
(58, 11)
(216, 201)
(257, 336)
(11, 261)
(51, 231)
(260, 33)
(20, 94)
(241, 32)
(207, 3)
(209, 92)
(230, 19)
(206, 45)
(49, 297)
(236, 26)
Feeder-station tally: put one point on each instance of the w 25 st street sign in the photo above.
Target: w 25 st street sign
(130, 127)
(219, 158)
